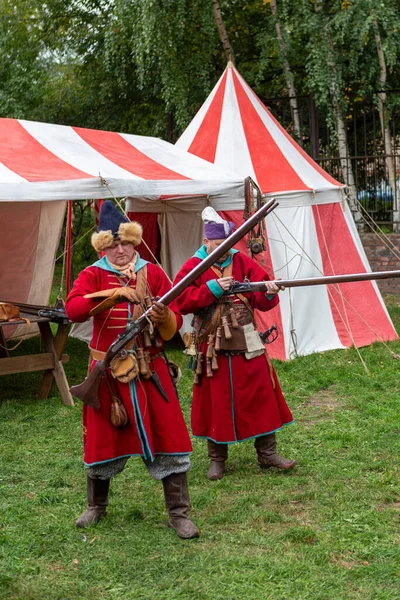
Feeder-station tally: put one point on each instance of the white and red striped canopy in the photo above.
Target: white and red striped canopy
(41, 161)
(43, 165)
(311, 233)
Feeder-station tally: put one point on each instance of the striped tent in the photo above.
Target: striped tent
(310, 234)
(42, 166)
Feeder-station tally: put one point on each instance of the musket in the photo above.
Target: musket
(54, 313)
(88, 391)
(241, 287)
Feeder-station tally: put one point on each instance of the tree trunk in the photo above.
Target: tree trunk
(226, 44)
(383, 117)
(288, 75)
(343, 146)
(346, 165)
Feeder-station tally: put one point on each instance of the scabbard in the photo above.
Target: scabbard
(157, 383)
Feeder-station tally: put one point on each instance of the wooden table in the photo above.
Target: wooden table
(51, 361)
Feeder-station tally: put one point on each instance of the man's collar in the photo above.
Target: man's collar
(104, 263)
(202, 254)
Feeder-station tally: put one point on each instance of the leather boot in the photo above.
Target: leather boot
(267, 454)
(97, 502)
(177, 505)
(218, 453)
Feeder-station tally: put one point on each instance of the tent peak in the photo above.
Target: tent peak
(230, 65)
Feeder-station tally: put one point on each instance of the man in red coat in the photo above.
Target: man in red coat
(236, 393)
(140, 413)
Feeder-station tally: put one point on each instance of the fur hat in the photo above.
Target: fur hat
(115, 226)
(215, 227)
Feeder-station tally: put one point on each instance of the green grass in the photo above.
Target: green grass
(330, 529)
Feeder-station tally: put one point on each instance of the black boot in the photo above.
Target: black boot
(97, 502)
(177, 504)
(267, 454)
(218, 453)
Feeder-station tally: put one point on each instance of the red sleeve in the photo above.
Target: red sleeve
(198, 294)
(76, 306)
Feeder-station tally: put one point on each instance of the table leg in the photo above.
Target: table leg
(55, 345)
(3, 345)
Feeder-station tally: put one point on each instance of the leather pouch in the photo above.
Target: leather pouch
(237, 343)
(174, 371)
(9, 312)
(118, 416)
(124, 366)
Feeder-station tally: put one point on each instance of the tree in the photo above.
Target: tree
(289, 77)
(376, 58)
(328, 77)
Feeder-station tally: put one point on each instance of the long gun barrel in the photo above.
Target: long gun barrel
(88, 391)
(239, 287)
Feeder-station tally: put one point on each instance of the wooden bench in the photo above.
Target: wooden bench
(51, 361)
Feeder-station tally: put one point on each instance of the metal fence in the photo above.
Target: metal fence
(367, 159)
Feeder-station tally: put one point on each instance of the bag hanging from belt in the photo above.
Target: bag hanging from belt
(9, 312)
(124, 366)
(118, 415)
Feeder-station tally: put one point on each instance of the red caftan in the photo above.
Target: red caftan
(239, 402)
(155, 426)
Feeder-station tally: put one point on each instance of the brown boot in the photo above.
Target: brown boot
(177, 505)
(267, 454)
(97, 502)
(218, 453)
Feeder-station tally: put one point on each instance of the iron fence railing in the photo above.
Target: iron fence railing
(376, 179)
(372, 183)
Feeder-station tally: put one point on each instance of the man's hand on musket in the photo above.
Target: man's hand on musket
(165, 320)
(225, 283)
(271, 288)
(159, 313)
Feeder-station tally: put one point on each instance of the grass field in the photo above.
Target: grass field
(330, 529)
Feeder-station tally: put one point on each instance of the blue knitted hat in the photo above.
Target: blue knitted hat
(113, 225)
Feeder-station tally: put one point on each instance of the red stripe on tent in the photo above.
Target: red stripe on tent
(273, 172)
(308, 158)
(340, 255)
(114, 147)
(205, 142)
(274, 316)
(23, 154)
(151, 235)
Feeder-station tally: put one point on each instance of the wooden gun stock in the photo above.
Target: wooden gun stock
(88, 390)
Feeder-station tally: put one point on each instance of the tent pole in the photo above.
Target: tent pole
(97, 208)
(68, 256)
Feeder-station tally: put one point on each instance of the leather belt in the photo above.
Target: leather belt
(99, 355)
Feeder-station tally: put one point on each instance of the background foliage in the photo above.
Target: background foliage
(146, 66)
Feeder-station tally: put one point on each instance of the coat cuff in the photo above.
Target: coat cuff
(215, 288)
(168, 329)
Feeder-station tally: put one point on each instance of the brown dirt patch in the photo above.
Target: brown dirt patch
(320, 406)
(347, 563)
(395, 505)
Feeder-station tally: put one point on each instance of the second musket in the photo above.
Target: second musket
(242, 287)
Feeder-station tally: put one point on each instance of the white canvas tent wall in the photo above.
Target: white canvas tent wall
(311, 232)
(43, 165)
